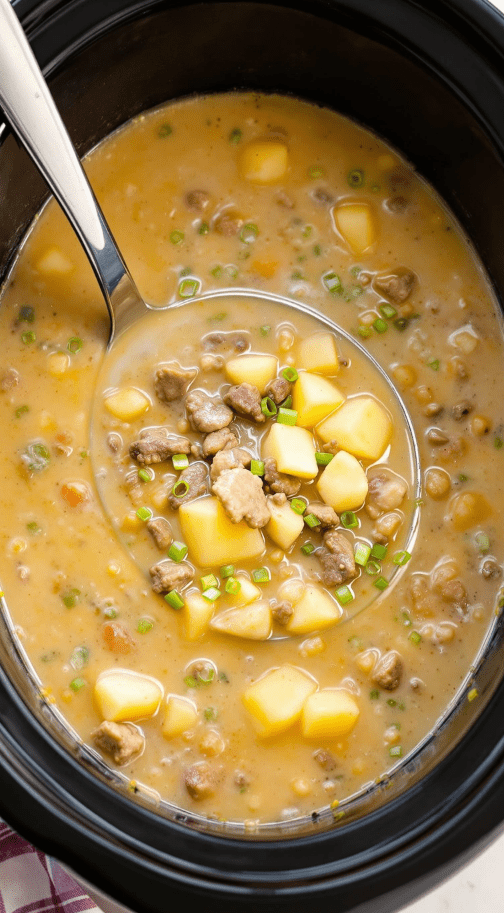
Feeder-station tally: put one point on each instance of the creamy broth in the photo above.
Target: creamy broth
(191, 219)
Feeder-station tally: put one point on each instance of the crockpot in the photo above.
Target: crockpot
(427, 75)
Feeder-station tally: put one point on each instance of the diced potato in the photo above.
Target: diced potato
(252, 621)
(180, 715)
(58, 363)
(264, 161)
(248, 591)
(122, 695)
(276, 700)
(315, 610)
(355, 223)
(252, 369)
(212, 539)
(343, 484)
(198, 612)
(127, 404)
(314, 398)
(54, 263)
(329, 714)
(361, 426)
(293, 450)
(319, 353)
(285, 525)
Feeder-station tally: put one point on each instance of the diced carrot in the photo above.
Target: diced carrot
(75, 493)
(265, 268)
(117, 638)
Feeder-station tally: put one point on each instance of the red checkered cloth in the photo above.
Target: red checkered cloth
(31, 882)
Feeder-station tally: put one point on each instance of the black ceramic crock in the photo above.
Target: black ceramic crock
(427, 75)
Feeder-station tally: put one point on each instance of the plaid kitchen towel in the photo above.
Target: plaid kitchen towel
(31, 882)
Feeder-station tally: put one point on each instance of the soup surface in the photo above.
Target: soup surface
(189, 543)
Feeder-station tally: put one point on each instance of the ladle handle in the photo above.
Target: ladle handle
(32, 114)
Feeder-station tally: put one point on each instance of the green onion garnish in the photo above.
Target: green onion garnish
(77, 683)
(191, 681)
(249, 233)
(188, 287)
(380, 325)
(311, 520)
(415, 637)
(264, 330)
(498, 443)
(210, 677)
(216, 271)
(298, 505)
(362, 553)
(227, 570)
(379, 551)
(307, 548)
(344, 595)
(355, 178)
(257, 467)
(146, 475)
(211, 594)
(209, 581)
(36, 456)
(401, 323)
(332, 283)
(34, 528)
(180, 488)
(287, 416)
(374, 694)
(373, 567)
(70, 598)
(28, 337)
(401, 558)
(174, 600)
(381, 583)
(204, 228)
(355, 642)
(434, 364)
(232, 586)
(26, 313)
(290, 374)
(395, 751)
(349, 519)
(74, 344)
(144, 626)
(176, 237)
(232, 271)
(21, 410)
(386, 310)
(323, 458)
(235, 136)
(177, 551)
(317, 250)
(180, 461)
(287, 402)
(261, 575)
(165, 130)
(210, 713)
(391, 702)
(79, 658)
(144, 513)
(315, 172)
(268, 407)
(365, 332)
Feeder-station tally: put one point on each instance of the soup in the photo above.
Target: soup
(190, 598)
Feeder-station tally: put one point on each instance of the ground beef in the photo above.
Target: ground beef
(229, 459)
(282, 612)
(160, 531)
(278, 482)
(227, 223)
(235, 342)
(326, 760)
(323, 196)
(171, 383)
(242, 496)
(218, 440)
(278, 390)
(199, 781)
(9, 379)
(134, 487)
(385, 493)
(122, 741)
(327, 516)
(460, 410)
(388, 671)
(454, 593)
(196, 476)
(197, 200)
(397, 287)
(158, 444)
(245, 400)
(205, 414)
(490, 569)
(114, 442)
(170, 575)
(337, 559)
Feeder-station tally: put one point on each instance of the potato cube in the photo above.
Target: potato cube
(248, 591)
(361, 426)
(264, 161)
(54, 263)
(211, 537)
(329, 714)
(343, 484)
(127, 404)
(285, 525)
(180, 715)
(198, 612)
(355, 223)
(315, 610)
(122, 695)
(293, 450)
(319, 353)
(314, 398)
(276, 700)
(252, 369)
(252, 621)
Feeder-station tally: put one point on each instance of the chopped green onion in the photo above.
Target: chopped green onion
(176, 237)
(307, 230)
(401, 558)
(407, 622)
(365, 332)
(223, 678)
(264, 330)
(349, 519)
(355, 178)
(498, 443)
(21, 410)
(28, 337)
(144, 513)
(210, 713)
(401, 323)
(355, 642)
(332, 283)
(380, 325)
(391, 702)
(434, 364)
(26, 313)
(372, 567)
(307, 548)
(211, 594)
(70, 598)
(374, 694)
(235, 136)
(174, 600)
(381, 583)
(34, 528)
(287, 402)
(483, 542)
(311, 520)
(386, 310)
(395, 751)
(261, 575)
(188, 287)
(36, 456)
(210, 677)
(220, 316)
(415, 637)
(315, 172)
(165, 130)
(232, 271)
(177, 551)
(268, 407)
(249, 233)
(379, 551)
(297, 276)
(227, 570)
(185, 272)
(77, 683)
(74, 344)
(180, 488)
(323, 458)
(298, 505)
(209, 581)
(232, 586)
(191, 681)
(180, 461)
(146, 475)
(144, 626)
(344, 595)
(79, 658)
(362, 553)
(204, 228)
(257, 467)
(287, 416)
(216, 272)
(290, 374)
(317, 250)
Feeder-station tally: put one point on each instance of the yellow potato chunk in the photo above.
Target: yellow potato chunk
(355, 223)
(180, 715)
(318, 353)
(361, 426)
(314, 398)
(315, 610)
(127, 404)
(248, 591)
(293, 450)
(122, 695)
(54, 263)
(198, 612)
(329, 714)
(343, 484)
(276, 700)
(211, 537)
(264, 161)
(252, 621)
(252, 369)
(285, 525)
